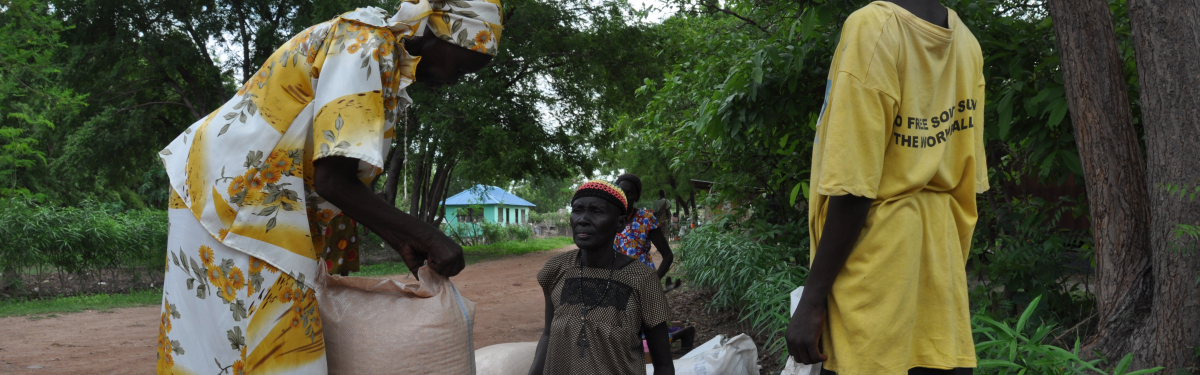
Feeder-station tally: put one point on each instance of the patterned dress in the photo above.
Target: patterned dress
(245, 219)
(341, 245)
(634, 302)
(634, 241)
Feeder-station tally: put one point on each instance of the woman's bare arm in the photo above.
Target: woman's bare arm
(660, 349)
(539, 357)
(660, 242)
(336, 180)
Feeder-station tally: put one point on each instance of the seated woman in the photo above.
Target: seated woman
(598, 301)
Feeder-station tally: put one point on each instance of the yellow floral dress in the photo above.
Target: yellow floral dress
(245, 219)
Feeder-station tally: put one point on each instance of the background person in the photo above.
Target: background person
(254, 185)
(641, 229)
(662, 213)
(599, 301)
(897, 163)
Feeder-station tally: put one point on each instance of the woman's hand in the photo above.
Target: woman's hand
(444, 256)
(336, 180)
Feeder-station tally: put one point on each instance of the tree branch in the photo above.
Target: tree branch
(732, 13)
(150, 103)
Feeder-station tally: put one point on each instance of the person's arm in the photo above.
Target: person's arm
(660, 349)
(844, 221)
(336, 180)
(660, 242)
(539, 356)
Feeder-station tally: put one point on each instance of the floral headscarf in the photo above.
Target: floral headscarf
(474, 25)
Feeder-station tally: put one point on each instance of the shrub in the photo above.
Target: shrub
(493, 233)
(465, 234)
(1023, 256)
(518, 232)
(1004, 349)
(754, 278)
(559, 219)
(73, 240)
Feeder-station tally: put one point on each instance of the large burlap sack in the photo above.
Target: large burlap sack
(383, 326)
(737, 356)
(512, 358)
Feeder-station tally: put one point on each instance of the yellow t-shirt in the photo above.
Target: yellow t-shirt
(903, 125)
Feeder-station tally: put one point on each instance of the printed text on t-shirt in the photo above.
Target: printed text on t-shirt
(921, 123)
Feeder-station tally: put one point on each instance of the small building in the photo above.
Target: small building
(483, 203)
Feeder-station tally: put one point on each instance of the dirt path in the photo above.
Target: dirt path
(508, 309)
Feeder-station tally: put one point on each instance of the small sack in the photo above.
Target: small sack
(513, 358)
(382, 326)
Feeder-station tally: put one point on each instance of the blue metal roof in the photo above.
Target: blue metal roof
(483, 195)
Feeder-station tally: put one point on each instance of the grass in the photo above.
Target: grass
(51, 307)
(476, 254)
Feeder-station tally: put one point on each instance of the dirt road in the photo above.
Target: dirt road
(508, 309)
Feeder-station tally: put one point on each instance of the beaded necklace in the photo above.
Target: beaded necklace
(583, 342)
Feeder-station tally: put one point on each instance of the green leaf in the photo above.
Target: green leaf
(795, 192)
(1124, 364)
(1004, 123)
(988, 363)
(224, 129)
(1146, 371)
(268, 211)
(1028, 312)
(329, 134)
(1060, 111)
(270, 224)
(337, 124)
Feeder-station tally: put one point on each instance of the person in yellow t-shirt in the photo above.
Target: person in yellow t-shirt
(897, 162)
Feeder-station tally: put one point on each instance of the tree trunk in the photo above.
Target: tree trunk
(1114, 172)
(241, 20)
(395, 167)
(1166, 37)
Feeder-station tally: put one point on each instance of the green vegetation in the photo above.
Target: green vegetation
(476, 254)
(1019, 348)
(49, 308)
(754, 278)
(91, 237)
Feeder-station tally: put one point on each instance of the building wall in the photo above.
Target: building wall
(493, 214)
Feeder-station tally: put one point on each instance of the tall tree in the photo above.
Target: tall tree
(1166, 36)
(1113, 167)
(540, 109)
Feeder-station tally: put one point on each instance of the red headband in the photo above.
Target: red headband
(604, 190)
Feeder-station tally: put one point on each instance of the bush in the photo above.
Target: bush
(1005, 349)
(752, 277)
(1024, 257)
(558, 219)
(493, 233)
(518, 232)
(72, 240)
